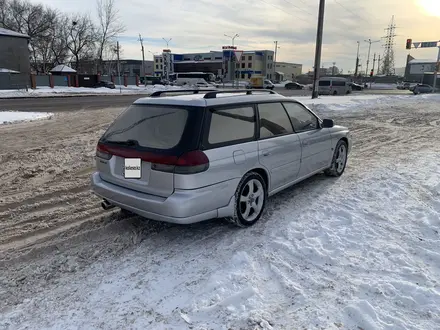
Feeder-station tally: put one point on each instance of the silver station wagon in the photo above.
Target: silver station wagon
(191, 155)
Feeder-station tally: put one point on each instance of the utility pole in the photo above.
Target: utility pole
(119, 72)
(368, 57)
(374, 62)
(318, 48)
(143, 59)
(378, 65)
(275, 57)
(434, 84)
(357, 61)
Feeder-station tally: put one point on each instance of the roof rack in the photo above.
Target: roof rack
(213, 94)
(194, 91)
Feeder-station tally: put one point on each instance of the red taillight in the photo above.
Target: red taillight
(189, 163)
(101, 152)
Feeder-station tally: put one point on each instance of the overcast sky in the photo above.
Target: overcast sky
(200, 25)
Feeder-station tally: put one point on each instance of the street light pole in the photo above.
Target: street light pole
(167, 41)
(368, 57)
(232, 69)
(143, 59)
(318, 48)
(232, 38)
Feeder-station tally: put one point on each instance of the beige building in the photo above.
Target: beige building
(289, 70)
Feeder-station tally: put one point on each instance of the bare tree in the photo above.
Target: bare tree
(37, 21)
(81, 39)
(109, 26)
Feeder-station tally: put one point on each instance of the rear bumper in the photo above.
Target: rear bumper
(182, 207)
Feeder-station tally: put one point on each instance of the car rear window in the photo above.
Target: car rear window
(324, 83)
(152, 126)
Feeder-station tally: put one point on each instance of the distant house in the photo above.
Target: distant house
(62, 70)
(14, 57)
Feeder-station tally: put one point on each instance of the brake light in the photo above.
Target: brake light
(101, 152)
(189, 163)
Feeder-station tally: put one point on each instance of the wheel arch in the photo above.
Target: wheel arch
(263, 174)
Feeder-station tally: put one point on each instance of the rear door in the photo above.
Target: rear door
(279, 148)
(315, 141)
(150, 132)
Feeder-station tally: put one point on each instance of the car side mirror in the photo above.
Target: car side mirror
(327, 123)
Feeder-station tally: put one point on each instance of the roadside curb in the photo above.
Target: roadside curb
(69, 95)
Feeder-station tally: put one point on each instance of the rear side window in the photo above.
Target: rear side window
(324, 83)
(302, 119)
(273, 120)
(231, 125)
(338, 83)
(151, 126)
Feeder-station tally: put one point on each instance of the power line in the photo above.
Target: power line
(305, 11)
(284, 11)
(351, 11)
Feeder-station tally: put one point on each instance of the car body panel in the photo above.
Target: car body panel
(281, 155)
(188, 198)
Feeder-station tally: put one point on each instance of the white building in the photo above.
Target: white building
(255, 62)
(287, 71)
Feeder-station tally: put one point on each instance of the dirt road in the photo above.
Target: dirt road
(51, 224)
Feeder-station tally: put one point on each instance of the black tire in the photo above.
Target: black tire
(334, 170)
(335, 93)
(242, 189)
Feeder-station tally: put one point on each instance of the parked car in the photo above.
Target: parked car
(356, 87)
(188, 158)
(105, 83)
(294, 85)
(334, 86)
(421, 88)
(267, 84)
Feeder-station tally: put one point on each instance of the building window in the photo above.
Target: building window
(156, 60)
(161, 67)
(237, 65)
(268, 66)
(250, 65)
(243, 65)
(267, 76)
(243, 58)
(206, 58)
(250, 58)
(249, 75)
(157, 66)
(218, 58)
(242, 76)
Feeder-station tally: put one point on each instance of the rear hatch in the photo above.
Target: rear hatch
(141, 148)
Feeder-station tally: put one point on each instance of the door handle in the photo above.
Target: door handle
(266, 154)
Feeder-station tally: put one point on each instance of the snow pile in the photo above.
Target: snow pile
(352, 102)
(68, 91)
(381, 86)
(7, 117)
(360, 252)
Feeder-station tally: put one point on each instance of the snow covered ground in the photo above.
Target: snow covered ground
(47, 91)
(7, 117)
(357, 252)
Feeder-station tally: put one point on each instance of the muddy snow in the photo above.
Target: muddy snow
(357, 252)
